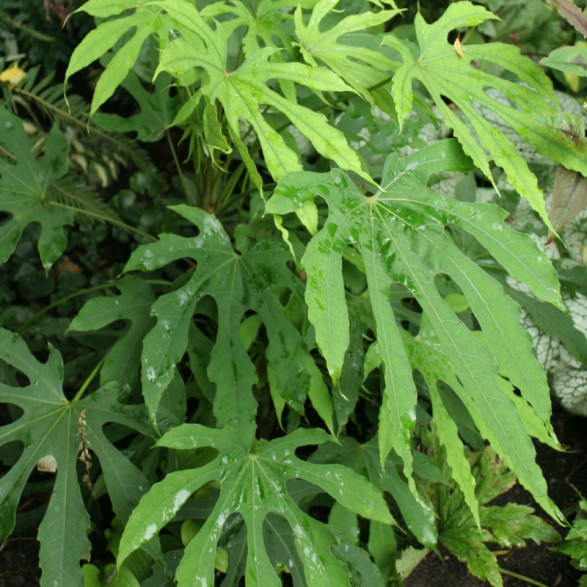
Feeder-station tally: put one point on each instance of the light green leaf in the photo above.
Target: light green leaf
(570, 59)
(244, 92)
(571, 13)
(105, 8)
(365, 460)
(57, 432)
(360, 65)
(29, 190)
(253, 484)
(401, 233)
(144, 22)
(450, 75)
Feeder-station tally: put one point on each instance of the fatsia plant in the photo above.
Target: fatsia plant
(40, 190)
(238, 283)
(54, 433)
(253, 477)
(259, 349)
(453, 72)
(388, 228)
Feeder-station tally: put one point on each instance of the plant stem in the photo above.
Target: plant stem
(177, 164)
(25, 29)
(60, 301)
(522, 578)
(88, 380)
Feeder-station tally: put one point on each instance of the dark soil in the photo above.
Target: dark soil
(537, 562)
(19, 557)
(19, 561)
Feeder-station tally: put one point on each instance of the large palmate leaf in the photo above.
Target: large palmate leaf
(361, 66)
(448, 73)
(244, 92)
(237, 283)
(122, 360)
(28, 190)
(402, 234)
(201, 54)
(55, 433)
(143, 22)
(265, 27)
(253, 478)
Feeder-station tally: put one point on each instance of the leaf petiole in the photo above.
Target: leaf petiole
(88, 380)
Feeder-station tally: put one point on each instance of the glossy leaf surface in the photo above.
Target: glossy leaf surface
(402, 234)
(253, 484)
(451, 75)
(54, 433)
(237, 283)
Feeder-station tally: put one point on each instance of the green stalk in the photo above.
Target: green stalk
(522, 578)
(177, 164)
(88, 380)
(103, 218)
(25, 29)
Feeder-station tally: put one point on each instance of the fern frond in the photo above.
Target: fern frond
(49, 99)
(68, 193)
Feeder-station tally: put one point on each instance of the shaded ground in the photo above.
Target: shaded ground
(536, 562)
(19, 558)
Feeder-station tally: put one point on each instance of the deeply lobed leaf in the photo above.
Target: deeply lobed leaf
(237, 283)
(403, 236)
(57, 431)
(450, 75)
(253, 481)
(27, 188)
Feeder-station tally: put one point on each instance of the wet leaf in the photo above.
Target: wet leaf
(237, 283)
(252, 481)
(452, 77)
(64, 432)
(402, 235)
(362, 65)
